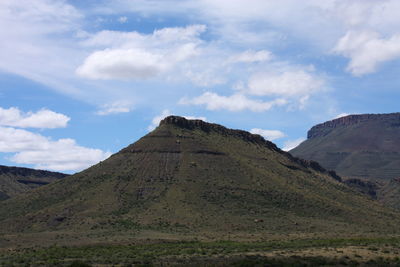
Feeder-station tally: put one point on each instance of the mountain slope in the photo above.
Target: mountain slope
(357, 146)
(386, 192)
(9, 187)
(193, 177)
(389, 194)
(16, 180)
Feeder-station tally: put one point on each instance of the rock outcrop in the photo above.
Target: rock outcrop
(324, 128)
(208, 127)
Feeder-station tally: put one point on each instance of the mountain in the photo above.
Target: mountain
(193, 179)
(16, 180)
(356, 146)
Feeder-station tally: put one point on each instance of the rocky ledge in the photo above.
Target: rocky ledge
(324, 128)
(249, 137)
(212, 127)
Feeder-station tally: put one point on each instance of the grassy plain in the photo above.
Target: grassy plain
(296, 252)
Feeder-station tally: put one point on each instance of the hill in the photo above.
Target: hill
(386, 192)
(357, 146)
(192, 179)
(16, 180)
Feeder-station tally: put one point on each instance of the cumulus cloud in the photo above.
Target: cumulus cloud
(268, 134)
(122, 64)
(291, 144)
(281, 82)
(115, 108)
(139, 56)
(367, 50)
(43, 118)
(236, 102)
(45, 153)
(165, 113)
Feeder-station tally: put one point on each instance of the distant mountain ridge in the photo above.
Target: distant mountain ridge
(323, 129)
(357, 146)
(16, 180)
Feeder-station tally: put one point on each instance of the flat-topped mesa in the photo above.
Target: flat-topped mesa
(182, 122)
(324, 128)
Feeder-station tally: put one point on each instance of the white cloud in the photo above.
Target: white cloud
(236, 102)
(16, 140)
(44, 153)
(162, 38)
(290, 144)
(169, 55)
(53, 32)
(40, 31)
(34, 32)
(115, 108)
(122, 64)
(286, 83)
(268, 134)
(43, 118)
(328, 18)
(367, 50)
(268, 22)
(38, 41)
(251, 22)
(165, 113)
(250, 56)
(40, 12)
(377, 15)
(139, 56)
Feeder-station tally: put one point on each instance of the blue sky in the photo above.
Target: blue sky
(80, 80)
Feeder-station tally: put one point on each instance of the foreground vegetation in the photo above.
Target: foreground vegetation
(305, 252)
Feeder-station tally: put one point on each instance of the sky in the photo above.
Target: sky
(80, 80)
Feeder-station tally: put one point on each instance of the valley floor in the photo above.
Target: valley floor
(382, 251)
